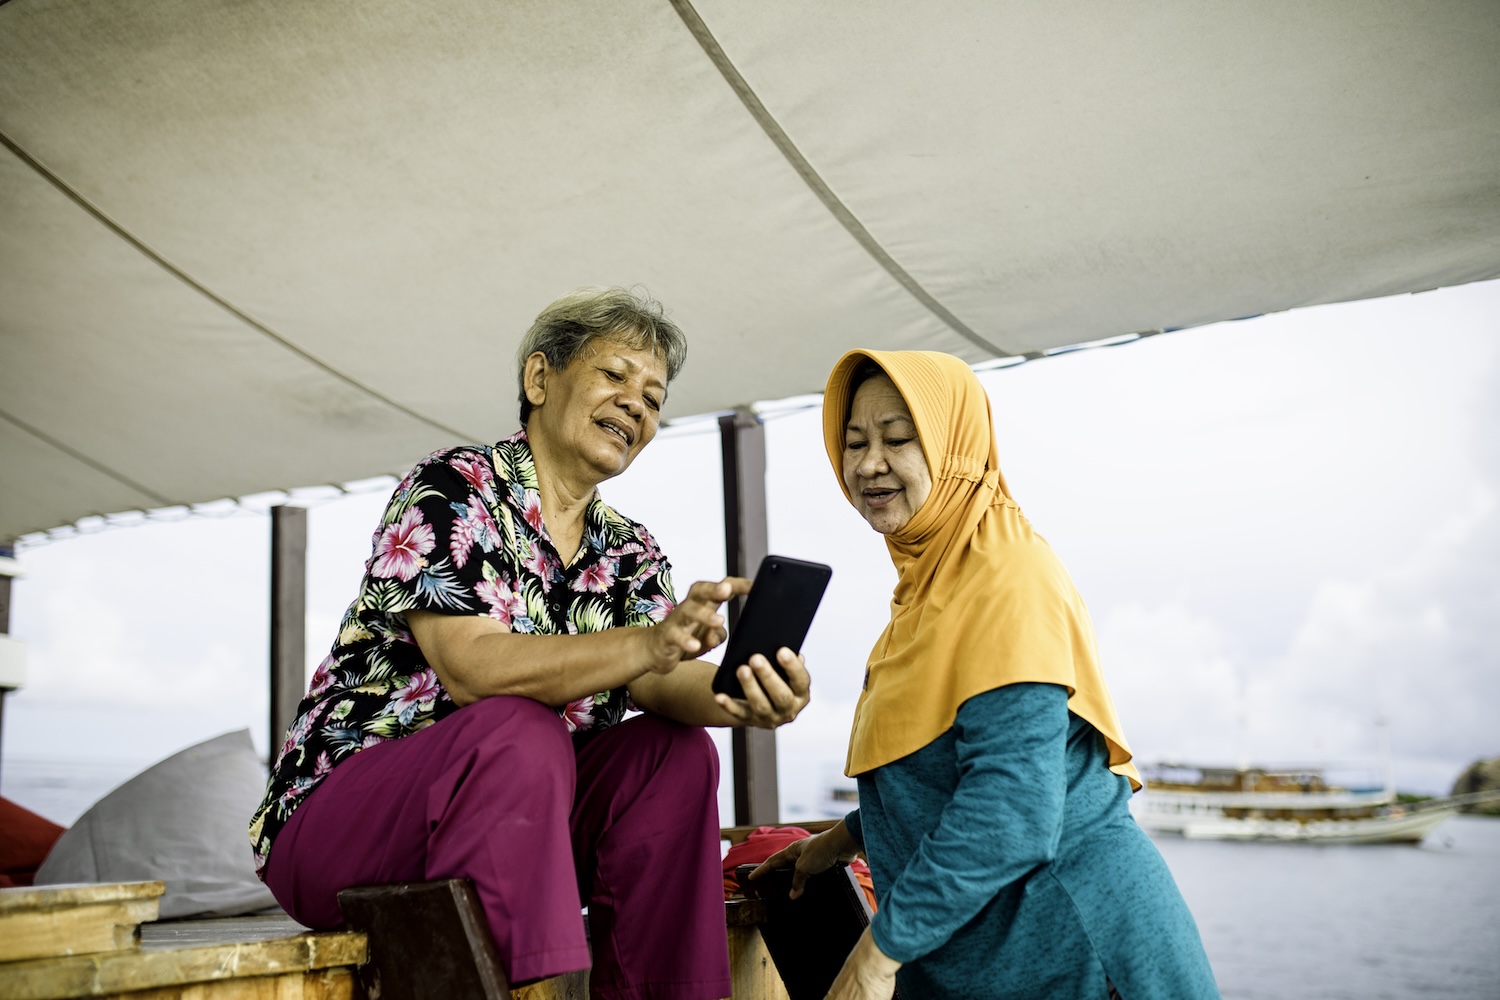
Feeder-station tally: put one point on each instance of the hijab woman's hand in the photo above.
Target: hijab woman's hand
(811, 855)
(868, 973)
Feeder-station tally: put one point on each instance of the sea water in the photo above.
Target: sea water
(1279, 921)
(1349, 922)
(61, 790)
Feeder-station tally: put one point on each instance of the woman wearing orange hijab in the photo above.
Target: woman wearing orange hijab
(993, 774)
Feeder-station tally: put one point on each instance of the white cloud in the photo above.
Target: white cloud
(1414, 643)
(1174, 682)
(142, 641)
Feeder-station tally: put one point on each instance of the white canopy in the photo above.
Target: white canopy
(267, 244)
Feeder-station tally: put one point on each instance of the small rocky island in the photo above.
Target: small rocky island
(1480, 776)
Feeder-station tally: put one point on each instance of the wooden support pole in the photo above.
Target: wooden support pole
(12, 652)
(743, 439)
(288, 619)
(4, 630)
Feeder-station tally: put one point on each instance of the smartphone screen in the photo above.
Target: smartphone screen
(778, 612)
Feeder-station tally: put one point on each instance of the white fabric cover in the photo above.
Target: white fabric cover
(182, 821)
(254, 246)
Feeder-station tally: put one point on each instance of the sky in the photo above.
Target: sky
(1287, 530)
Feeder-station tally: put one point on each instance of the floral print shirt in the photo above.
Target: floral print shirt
(462, 535)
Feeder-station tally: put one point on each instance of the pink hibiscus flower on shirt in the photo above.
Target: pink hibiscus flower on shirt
(579, 714)
(657, 608)
(532, 510)
(504, 604)
(478, 475)
(401, 547)
(598, 578)
(420, 688)
(538, 562)
(323, 679)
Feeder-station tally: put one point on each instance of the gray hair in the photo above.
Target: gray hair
(567, 326)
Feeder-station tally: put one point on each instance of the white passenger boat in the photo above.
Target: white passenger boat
(1292, 804)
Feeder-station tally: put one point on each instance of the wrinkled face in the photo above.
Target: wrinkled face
(885, 468)
(599, 411)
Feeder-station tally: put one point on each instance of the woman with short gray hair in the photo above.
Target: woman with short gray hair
(566, 327)
(470, 721)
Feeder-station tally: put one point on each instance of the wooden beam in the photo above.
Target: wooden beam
(5, 553)
(288, 619)
(743, 441)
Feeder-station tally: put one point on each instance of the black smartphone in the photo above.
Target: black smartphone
(778, 612)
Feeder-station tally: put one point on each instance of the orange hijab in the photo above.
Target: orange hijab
(981, 600)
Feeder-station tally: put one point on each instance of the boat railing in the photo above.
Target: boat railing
(1333, 799)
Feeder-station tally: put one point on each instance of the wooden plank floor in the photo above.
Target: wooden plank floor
(241, 958)
(219, 930)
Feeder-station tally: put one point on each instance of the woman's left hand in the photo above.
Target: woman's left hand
(810, 856)
(769, 701)
(868, 973)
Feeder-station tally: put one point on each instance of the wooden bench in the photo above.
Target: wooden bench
(63, 951)
(431, 940)
(63, 942)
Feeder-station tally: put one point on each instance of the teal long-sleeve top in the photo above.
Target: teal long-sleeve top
(1006, 864)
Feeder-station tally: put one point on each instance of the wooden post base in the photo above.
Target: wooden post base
(428, 941)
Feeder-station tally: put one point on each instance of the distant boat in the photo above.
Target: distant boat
(837, 797)
(1292, 804)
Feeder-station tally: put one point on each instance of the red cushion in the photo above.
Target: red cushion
(25, 839)
(759, 846)
(766, 841)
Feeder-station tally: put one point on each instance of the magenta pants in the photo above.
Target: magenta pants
(495, 793)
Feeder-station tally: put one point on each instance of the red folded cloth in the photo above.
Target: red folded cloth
(766, 841)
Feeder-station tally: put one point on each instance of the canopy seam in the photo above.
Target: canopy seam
(814, 180)
(145, 250)
(94, 464)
